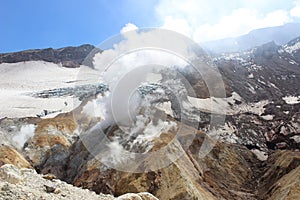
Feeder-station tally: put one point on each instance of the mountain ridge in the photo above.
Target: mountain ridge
(279, 34)
(68, 56)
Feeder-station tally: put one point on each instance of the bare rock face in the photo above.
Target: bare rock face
(189, 177)
(48, 149)
(227, 166)
(287, 187)
(281, 179)
(228, 171)
(177, 181)
(9, 155)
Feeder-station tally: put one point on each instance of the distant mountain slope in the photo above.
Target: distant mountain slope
(266, 72)
(68, 56)
(280, 35)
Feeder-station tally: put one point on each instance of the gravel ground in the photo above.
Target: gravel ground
(26, 184)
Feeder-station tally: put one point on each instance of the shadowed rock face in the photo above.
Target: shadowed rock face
(280, 178)
(68, 56)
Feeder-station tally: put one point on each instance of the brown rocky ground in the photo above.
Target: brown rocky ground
(8, 155)
(228, 171)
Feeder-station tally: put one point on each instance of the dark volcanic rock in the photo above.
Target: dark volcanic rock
(68, 56)
(267, 50)
(264, 73)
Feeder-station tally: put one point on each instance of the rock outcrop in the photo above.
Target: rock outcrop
(48, 149)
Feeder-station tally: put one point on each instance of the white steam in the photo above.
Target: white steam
(26, 132)
(143, 86)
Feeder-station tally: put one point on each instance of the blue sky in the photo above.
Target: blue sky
(27, 24)
(30, 24)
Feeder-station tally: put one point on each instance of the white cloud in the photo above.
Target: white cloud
(297, 2)
(209, 20)
(295, 12)
(179, 25)
(128, 27)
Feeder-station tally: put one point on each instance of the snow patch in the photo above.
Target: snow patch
(251, 89)
(227, 105)
(286, 112)
(292, 62)
(291, 99)
(291, 49)
(262, 82)
(267, 117)
(272, 85)
(260, 154)
(296, 138)
(225, 134)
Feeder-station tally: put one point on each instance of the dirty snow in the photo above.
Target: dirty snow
(267, 117)
(227, 105)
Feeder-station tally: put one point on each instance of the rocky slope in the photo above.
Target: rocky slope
(229, 171)
(268, 75)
